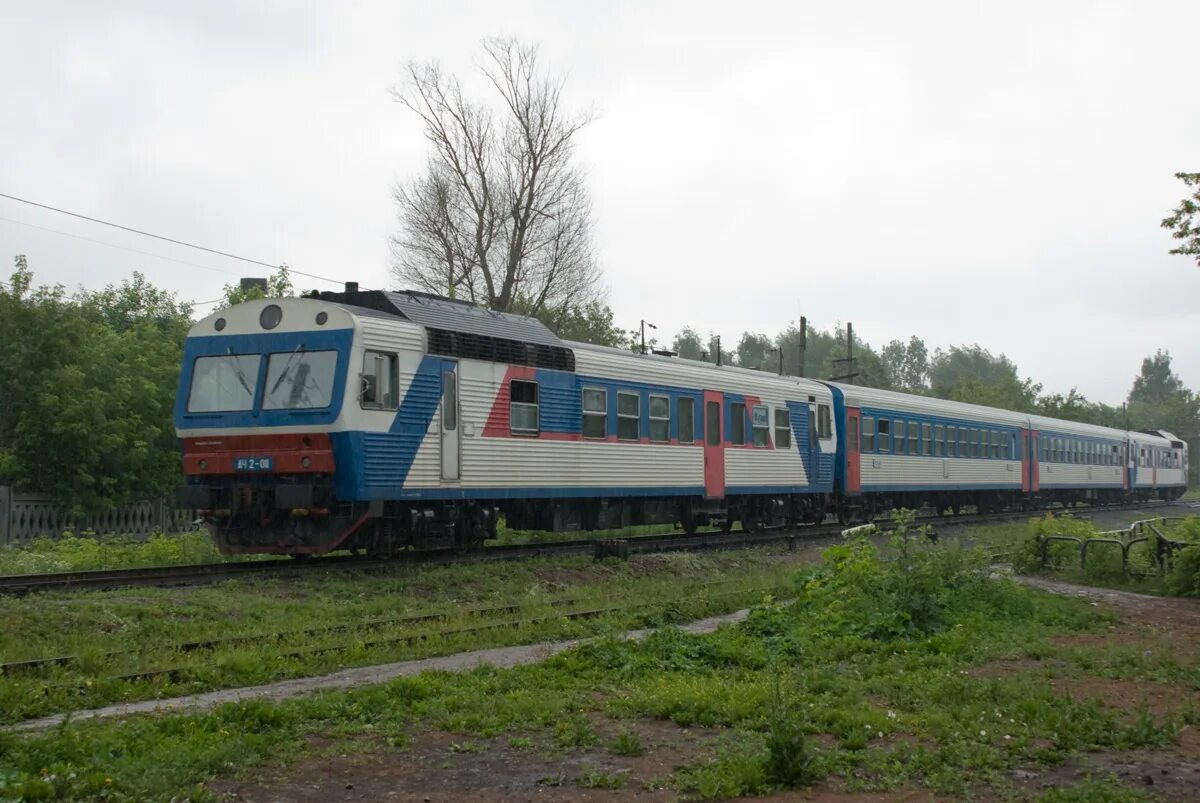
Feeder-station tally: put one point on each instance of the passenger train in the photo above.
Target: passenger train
(382, 421)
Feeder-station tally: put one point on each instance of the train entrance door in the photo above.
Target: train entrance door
(853, 455)
(451, 433)
(714, 445)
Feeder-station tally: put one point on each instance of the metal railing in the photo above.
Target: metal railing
(26, 516)
(1143, 531)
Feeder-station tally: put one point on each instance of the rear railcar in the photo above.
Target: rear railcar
(1158, 465)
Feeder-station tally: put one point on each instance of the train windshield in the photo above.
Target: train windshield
(299, 380)
(224, 383)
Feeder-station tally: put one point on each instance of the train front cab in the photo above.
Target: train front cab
(260, 393)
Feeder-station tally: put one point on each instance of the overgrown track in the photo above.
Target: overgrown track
(203, 573)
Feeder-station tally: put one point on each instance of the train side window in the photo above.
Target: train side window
(885, 435)
(951, 441)
(964, 442)
(595, 413)
(660, 418)
(712, 423)
(898, 433)
(939, 440)
(450, 402)
(783, 430)
(824, 421)
(737, 423)
(687, 419)
(868, 435)
(379, 381)
(629, 415)
(927, 438)
(914, 437)
(522, 407)
(760, 425)
(995, 445)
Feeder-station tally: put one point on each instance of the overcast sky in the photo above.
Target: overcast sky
(967, 172)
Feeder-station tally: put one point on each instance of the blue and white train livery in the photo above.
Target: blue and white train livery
(384, 421)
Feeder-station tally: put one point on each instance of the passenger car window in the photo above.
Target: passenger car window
(523, 407)
(737, 423)
(760, 425)
(900, 436)
(927, 438)
(687, 419)
(824, 421)
(783, 429)
(868, 433)
(629, 415)
(939, 440)
(712, 423)
(595, 413)
(885, 435)
(660, 418)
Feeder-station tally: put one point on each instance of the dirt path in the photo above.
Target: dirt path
(500, 657)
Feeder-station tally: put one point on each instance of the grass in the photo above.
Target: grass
(73, 553)
(313, 625)
(876, 657)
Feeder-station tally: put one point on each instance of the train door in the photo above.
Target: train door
(1029, 461)
(451, 432)
(714, 445)
(1130, 451)
(853, 454)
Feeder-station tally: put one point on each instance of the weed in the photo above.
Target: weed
(627, 743)
(593, 778)
(736, 771)
(575, 731)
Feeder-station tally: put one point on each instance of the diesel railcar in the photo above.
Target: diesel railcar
(381, 421)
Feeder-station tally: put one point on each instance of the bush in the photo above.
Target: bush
(917, 592)
(1183, 580)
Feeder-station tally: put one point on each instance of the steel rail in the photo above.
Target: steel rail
(204, 573)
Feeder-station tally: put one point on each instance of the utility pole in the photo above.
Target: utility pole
(803, 342)
(781, 359)
(718, 349)
(643, 328)
(849, 358)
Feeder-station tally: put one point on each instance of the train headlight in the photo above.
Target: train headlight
(304, 461)
(203, 464)
(270, 317)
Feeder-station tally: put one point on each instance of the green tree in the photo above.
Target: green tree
(868, 368)
(688, 344)
(973, 374)
(1160, 400)
(585, 323)
(907, 364)
(279, 285)
(1184, 221)
(756, 351)
(87, 389)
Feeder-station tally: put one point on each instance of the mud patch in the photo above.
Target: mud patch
(440, 767)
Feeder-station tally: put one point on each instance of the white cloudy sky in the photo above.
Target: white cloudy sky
(969, 172)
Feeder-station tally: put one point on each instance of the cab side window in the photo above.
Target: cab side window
(379, 381)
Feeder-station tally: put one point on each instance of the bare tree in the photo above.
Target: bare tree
(500, 215)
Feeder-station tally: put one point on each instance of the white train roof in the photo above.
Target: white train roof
(858, 396)
(1043, 423)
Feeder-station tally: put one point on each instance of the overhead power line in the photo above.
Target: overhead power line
(164, 238)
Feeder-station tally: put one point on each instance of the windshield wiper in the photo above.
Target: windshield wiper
(237, 369)
(287, 369)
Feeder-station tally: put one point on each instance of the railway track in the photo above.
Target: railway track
(204, 573)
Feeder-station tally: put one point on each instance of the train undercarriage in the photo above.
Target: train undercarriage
(282, 515)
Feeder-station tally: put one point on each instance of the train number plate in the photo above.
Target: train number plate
(252, 464)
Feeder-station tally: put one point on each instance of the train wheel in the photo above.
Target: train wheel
(687, 521)
(844, 515)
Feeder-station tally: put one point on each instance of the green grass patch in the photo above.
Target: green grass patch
(866, 673)
(259, 631)
(77, 553)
